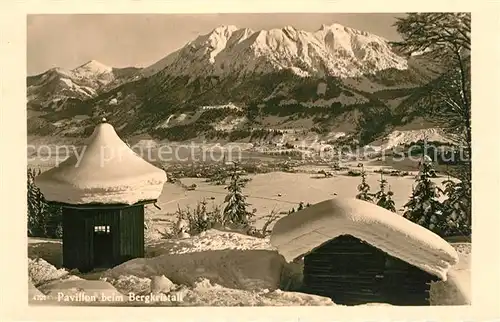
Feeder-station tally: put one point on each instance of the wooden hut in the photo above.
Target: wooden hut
(356, 252)
(102, 191)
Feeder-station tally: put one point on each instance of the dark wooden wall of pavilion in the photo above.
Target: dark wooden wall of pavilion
(126, 230)
(352, 272)
(131, 233)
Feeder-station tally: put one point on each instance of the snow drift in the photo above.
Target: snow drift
(40, 271)
(457, 289)
(79, 290)
(301, 232)
(238, 269)
(33, 292)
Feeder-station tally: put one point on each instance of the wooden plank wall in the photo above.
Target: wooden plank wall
(108, 217)
(126, 228)
(405, 284)
(70, 239)
(352, 272)
(77, 241)
(132, 233)
(78, 236)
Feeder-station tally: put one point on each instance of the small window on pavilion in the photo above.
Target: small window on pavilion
(102, 229)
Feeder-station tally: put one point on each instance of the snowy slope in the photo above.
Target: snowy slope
(93, 69)
(332, 50)
(400, 138)
(83, 82)
(160, 65)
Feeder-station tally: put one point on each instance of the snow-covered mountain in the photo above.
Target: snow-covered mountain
(323, 81)
(333, 50)
(55, 86)
(94, 69)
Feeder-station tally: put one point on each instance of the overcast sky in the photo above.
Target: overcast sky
(139, 40)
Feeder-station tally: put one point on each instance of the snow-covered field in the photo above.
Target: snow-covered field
(216, 268)
(277, 191)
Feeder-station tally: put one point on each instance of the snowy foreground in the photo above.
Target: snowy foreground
(216, 268)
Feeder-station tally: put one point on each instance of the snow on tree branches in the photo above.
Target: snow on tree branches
(424, 207)
(44, 220)
(435, 33)
(236, 211)
(364, 188)
(383, 197)
(458, 208)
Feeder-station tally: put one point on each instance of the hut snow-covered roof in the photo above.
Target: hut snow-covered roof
(300, 233)
(104, 171)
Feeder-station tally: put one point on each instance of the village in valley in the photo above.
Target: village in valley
(296, 187)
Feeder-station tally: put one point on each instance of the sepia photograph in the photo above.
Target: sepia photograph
(249, 159)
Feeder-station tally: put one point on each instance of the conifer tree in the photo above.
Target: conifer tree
(236, 211)
(457, 207)
(364, 188)
(424, 207)
(219, 177)
(383, 197)
(33, 205)
(53, 214)
(44, 220)
(446, 39)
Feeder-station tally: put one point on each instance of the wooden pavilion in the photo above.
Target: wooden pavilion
(102, 191)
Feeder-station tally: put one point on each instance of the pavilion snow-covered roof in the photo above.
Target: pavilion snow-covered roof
(104, 171)
(300, 233)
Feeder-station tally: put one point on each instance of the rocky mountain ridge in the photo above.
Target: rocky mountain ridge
(232, 82)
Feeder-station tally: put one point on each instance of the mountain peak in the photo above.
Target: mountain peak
(333, 50)
(225, 29)
(331, 26)
(93, 66)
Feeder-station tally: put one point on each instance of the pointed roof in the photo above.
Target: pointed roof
(104, 171)
(302, 232)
